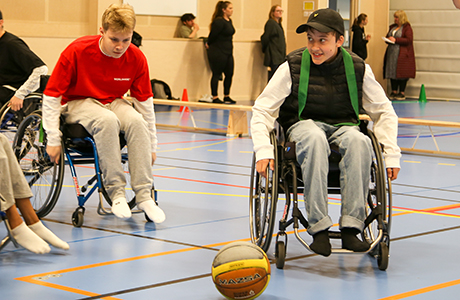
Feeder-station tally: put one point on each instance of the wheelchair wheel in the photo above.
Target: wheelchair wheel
(379, 203)
(8, 122)
(263, 198)
(129, 193)
(78, 217)
(280, 254)
(44, 177)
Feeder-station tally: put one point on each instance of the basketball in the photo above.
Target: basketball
(241, 270)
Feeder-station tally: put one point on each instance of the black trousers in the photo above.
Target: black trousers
(399, 83)
(221, 63)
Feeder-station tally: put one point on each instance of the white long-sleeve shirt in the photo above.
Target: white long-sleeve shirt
(375, 103)
(32, 83)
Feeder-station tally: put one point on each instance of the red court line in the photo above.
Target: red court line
(201, 181)
(434, 210)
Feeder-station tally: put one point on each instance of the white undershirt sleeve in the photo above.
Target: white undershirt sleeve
(32, 83)
(145, 108)
(51, 108)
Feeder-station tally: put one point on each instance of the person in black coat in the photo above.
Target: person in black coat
(220, 50)
(273, 41)
(360, 39)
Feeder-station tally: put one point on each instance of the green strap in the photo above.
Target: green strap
(351, 82)
(41, 133)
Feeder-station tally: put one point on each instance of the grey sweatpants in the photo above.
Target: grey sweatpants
(104, 122)
(13, 184)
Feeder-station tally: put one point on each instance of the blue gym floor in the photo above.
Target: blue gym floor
(203, 185)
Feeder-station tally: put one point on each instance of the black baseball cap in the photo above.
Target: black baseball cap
(1, 16)
(324, 20)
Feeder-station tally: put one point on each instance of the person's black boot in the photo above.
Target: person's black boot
(351, 242)
(321, 244)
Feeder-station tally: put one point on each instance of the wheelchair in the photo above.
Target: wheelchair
(286, 178)
(46, 178)
(10, 120)
(9, 237)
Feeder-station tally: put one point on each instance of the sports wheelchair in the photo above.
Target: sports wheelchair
(46, 178)
(10, 120)
(287, 179)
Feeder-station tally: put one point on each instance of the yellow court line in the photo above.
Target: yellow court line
(423, 290)
(211, 150)
(196, 147)
(412, 161)
(246, 152)
(162, 169)
(442, 164)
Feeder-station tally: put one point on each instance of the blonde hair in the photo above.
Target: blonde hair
(402, 16)
(119, 17)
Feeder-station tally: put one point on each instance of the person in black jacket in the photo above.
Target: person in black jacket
(273, 41)
(220, 50)
(360, 39)
(20, 68)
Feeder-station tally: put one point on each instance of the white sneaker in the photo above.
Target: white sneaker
(120, 208)
(206, 98)
(152, 210)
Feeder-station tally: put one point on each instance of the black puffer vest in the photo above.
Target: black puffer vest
(328, 98)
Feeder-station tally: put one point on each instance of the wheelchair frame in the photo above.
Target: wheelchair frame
(283, 179)
(79, 148)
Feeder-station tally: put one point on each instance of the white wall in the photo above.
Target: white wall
(436, 26)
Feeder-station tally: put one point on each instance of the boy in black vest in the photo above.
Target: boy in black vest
(312, 99)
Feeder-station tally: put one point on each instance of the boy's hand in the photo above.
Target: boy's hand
(16, 103)
(393, 173)
(54, 152)
(154, 157)
(261, 166)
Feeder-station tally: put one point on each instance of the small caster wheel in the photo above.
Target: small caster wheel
(77, 217)
(384, 255)
(280, 254)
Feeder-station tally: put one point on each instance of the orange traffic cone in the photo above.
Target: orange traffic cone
(184, 98)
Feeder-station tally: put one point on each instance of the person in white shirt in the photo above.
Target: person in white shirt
(311, 98)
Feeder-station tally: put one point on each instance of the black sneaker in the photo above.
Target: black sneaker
(393, 96)
(217, 100)
(400, 97)
(229, 100)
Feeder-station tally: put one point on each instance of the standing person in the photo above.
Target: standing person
(220, 50)
(399, 64)
(360, 39)
(91, 77)
(310, 98)
(273, 40)
(189, 29)
(19, 68)
(15, 194)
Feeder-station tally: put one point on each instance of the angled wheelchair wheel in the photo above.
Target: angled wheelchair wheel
(263, 198)
(44, 177)
(129, 193)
